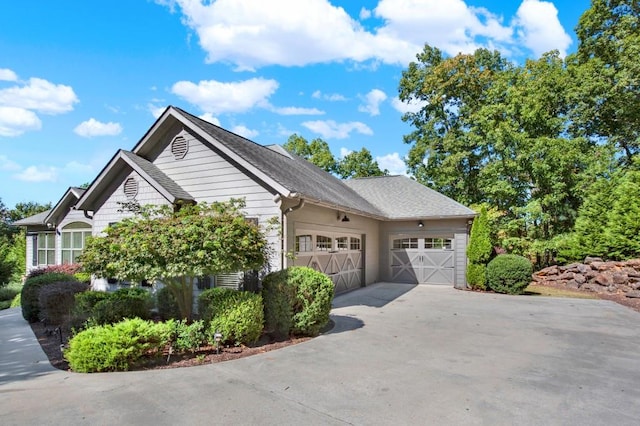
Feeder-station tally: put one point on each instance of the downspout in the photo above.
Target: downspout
(283, 220)
(87, 215)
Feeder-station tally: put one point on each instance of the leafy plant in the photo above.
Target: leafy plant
(132, 302)
(509, 273)
(239, 319)
(31, 292)
(116, 347)
(187, 337)
(56, 301)
(479, 251)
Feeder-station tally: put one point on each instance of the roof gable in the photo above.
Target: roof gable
(62, 207)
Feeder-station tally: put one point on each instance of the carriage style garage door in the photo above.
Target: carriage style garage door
(422, 260)
(338, 255)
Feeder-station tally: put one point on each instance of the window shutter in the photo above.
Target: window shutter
(34, 250)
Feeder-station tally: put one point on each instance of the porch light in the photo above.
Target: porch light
(345, 218)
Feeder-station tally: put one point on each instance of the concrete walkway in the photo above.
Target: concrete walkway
(399, 354)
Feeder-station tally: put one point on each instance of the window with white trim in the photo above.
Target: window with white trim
(323, 243)
(46, 248)
(304, 243)
(405, 243)
(342, 243)
(355, 243)
(438, 243)
(73, 239)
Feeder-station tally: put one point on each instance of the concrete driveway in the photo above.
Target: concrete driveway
(399, 354)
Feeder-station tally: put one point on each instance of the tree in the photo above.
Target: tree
(479, 251)
(316, 152)
(26, 209)
(359, 164)
(607, 72)
(176, 247)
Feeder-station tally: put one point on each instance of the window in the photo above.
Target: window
(342, 243)
(304, 243)
(46, 248)
(74, 236)
(323, 243)
(438, 243)
(405, 243)
(355, 243)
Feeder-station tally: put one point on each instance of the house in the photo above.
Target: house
(358, 231)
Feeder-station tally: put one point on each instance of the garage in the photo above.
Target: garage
(338, 255)
(422, 259)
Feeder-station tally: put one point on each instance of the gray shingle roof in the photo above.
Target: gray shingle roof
(290, 171)
(158, 176)
(36, 219)
(399, 197)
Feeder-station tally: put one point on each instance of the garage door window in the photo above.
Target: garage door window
(355, 243)
(304, 243)
(342, 243)
(438, 243)
(323, 243)
(405, 243)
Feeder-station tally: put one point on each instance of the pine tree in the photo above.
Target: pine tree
(479, 251)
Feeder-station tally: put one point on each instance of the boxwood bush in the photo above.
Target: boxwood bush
(29, 298)
(56, 301)
(116, 347)
(237, 315)
(297, 301)
(134, 302)
(509, 273)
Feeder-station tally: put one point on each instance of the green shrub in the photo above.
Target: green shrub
(56, 301)
(8, 293)
(477, 276)
(240, 318)
(131, 302)
(116, 347)
(15, 303)
(86, 301)
(187, 337)
(212, 300)
(509, 273)
(83, 277)
(31, 291)
(167, 304)
(308, 294)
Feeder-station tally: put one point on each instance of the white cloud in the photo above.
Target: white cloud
(40, 95)
(217, 97)
(207, 116)
(8, 165)
(256, 33)
(38, 174)
(540, 28)
(295, 111)
(283, 131)
(344, 152)
(93, 127)
(393, 163)
(329, 129)
(7, 75)
(245, 131)
(412, 106)
(373, 99)
(332, 97)
(75, 167)
(155, 110)
(15, 121)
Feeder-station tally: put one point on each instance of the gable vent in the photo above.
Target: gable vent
(179, 147)
(130, 188)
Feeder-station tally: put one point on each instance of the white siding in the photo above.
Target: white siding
(30, 240)
(109, 213)
(209, 177)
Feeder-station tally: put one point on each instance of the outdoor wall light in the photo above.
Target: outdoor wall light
(345, 218)
(420, 224)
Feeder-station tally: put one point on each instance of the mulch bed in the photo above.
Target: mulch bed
(50, 342)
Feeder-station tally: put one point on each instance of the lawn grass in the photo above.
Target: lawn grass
(541, 290)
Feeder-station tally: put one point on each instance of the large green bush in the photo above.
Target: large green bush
(509, 273)
(300, 295)
(134, 302)
(31, 291)
(187, 337)
(477, 276)
(56, 301)
(479, 251)
(167, 304)
(116, 347)
(237, 315)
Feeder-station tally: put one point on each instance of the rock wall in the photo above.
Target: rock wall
(595, 275)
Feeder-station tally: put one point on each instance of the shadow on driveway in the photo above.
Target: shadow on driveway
(374, 296)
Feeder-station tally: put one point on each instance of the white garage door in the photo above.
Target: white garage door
(338, 255)
(422, 260)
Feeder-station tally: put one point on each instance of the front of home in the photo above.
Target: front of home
(358, 231)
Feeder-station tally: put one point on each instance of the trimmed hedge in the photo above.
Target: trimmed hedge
(29, 298)
(56, 301)
(116, 347)
(297, 301)
(131, 302)
(509, 273)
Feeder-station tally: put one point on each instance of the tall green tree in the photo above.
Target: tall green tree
(607, 74)
(359, 164)
(317, 152)
(479, 251)
(176, 247)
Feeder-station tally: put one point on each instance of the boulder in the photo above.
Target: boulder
(573, 267)
(579, 278)
(591, 287)
(551, 270)
(633, 294)
(583, 269)
(602, 279)
(566, 276)
(619, 278)
(590, 259)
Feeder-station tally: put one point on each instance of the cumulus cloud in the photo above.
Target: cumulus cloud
(295, 110)
(373, 99)
(393, 163)
(344, 152)
(93, 127)
(207, 116)
(245, 131)
(540, 29)
(155, 110)
(38, 174)
(219, 97)
(413, 105)
(255, 33)
(15, 121)
(329, 129)
(331, 97)
(7, 75)
(40, 95)
(8, 165)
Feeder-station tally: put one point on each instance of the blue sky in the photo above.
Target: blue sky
(81, 79)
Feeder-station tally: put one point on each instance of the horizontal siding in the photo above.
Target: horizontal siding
(108, 212)
(461, 240)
